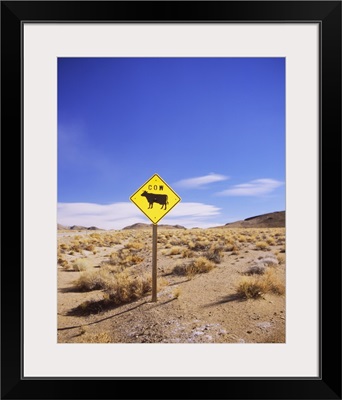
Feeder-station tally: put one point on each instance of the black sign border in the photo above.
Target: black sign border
(135, 193)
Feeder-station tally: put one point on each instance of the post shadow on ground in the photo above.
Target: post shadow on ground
(227, 299)
(73, 289)
(97, 306)
(178, 283)
(102, 319)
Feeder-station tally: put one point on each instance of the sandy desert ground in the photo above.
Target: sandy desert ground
(214, 286)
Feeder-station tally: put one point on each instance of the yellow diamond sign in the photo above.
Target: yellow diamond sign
(155, 198)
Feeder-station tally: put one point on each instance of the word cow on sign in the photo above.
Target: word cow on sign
(155, 191)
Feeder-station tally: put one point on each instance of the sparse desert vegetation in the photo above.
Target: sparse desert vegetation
(227, 280)
(260, 282)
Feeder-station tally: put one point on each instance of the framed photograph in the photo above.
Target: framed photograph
(211, 121)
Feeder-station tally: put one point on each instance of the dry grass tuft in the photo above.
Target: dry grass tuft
(199, 245)
(256, 286)
(93, 280)
(132, 259)
(242, 238)
(176, 292)
(234, 247)
(125, 258)
(124, 287)
(269, 261)
(270, 241)
(257, 269)
(175, 250)
(81, 264)
(261, 245)
(281, 258)
(187, 253)
(214, 254)
(198, 266)
(134, 245)
(180, 269)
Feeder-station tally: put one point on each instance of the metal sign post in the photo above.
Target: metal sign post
(155, 199)
(154, 262)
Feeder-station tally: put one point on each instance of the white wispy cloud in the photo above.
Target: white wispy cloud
(200, 181)
(119, 215)
(257, 187)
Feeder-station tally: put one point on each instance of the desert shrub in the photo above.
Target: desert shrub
(249, 288)
(198, 266)
(76, 247)
(180, 269)
(175, 250)
(176, 292)
(214, 254)
(63, 248)
(281, 258)
(161, 239)
(272, 283)
(113, 259)
(270, 241)
(269, 261)
(261, 245)
(201, 265)
(257, 269)
(251, 238)
(191, 245)
(60, 260)
(232, 246)
(187, 253)
(114, 269)
(89, 247)
(134, 245)
(81, 264)
(200, 244)
(93, 280)
(183, 240)
(242, 238)
(256, 286)
(63, 263)
(175, 241)
(125, 258)
(124, 287)
(95, 236)
(132, 259)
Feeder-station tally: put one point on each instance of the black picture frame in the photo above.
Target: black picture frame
(328, 15)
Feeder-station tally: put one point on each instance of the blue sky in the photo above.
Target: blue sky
(212, 128)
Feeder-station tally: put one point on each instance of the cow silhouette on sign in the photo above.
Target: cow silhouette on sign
(156, 198)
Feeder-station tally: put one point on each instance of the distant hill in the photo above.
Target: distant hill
(271, 220)
(146, 226)
(77, 228)
(60, 227)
